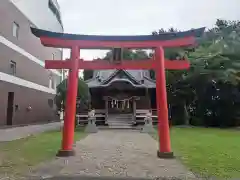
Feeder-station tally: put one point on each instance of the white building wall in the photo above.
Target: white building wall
(38, 12)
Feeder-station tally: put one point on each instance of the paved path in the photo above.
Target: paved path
(115, 153)
(10, 134)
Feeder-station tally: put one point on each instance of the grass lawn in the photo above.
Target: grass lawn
(18, 156)
(208, 152)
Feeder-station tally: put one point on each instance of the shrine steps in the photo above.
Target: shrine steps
(120, 121)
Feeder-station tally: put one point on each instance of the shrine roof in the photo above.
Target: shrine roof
(137, 75)
(138, 78)
(160, 37)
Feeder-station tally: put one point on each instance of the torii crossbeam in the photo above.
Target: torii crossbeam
(158, 63)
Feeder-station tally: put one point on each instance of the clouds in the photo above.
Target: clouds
(142, 16)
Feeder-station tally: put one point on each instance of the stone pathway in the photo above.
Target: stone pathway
(10, 134)
(115, 153)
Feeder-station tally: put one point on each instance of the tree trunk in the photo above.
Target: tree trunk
(186, 114)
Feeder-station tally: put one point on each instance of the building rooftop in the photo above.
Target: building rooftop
(138, 78)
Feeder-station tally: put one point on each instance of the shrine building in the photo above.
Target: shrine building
(123, 96)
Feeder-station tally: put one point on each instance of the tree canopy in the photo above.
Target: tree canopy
(83, 94)
(208, 93)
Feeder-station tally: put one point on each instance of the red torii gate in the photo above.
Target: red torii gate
(158, 63)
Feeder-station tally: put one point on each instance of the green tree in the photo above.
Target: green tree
(83, 94)
(218, 53)
(215, 60)
(210, 89)
(87, 74)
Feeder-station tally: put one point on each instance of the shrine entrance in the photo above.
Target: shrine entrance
(120, 105)
(119, 97)
(157, 63)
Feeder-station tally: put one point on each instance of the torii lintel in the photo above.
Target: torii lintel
(125, 64)
(64, 40)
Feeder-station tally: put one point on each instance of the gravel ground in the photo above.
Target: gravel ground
(115, 153)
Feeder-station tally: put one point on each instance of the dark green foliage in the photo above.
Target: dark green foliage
(87, 74)
(83, 94)
(208, 94)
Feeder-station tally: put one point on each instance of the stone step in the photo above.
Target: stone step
(120, 127)
(122, 121)
(128, 121)
(121, 117)
(119, 124)
(119, 120)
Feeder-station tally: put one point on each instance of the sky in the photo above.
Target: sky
(138, 17)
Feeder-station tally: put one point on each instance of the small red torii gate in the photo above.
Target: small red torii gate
(158, 63)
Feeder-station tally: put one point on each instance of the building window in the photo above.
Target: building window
(52, 83)
(55, 11)
(13, 68)
(50, 103)
(15, 29)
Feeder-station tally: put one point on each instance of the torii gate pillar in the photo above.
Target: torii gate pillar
(70, 107)
(162, 106)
